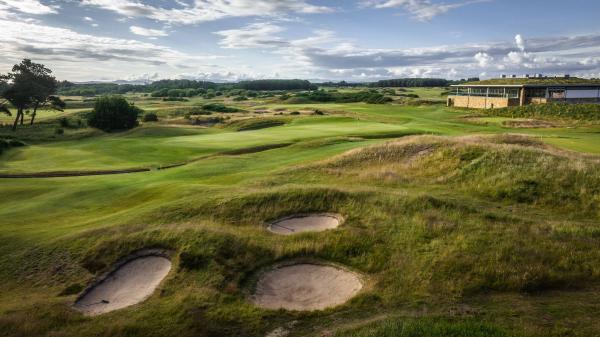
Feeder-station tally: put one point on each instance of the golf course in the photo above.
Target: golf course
(421, 220)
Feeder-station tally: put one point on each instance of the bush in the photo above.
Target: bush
(207, 120)
(64, 122)
(113, 113)
(6, 144)
(409, 95)
(59, 131)
(321, 96)
(240, 98)
(150, 117)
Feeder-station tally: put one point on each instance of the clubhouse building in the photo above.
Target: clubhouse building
(505, 92)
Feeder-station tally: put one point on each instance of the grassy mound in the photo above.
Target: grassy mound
(584, 112)
(435, 223)
(256, 123)
(507, 168)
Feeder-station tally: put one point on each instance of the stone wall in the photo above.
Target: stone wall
(479, 102)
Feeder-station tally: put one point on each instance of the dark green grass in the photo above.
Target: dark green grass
(256, 123)
(504, 226)
(421, 242)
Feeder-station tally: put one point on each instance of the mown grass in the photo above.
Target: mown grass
(503, 225)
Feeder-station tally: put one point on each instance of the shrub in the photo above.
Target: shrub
(409, 95)
(113, 113)
(197, 110)
(207, 120)
(321, 96)
(59, 131)
(6, 144)
(240, 98)
(64, 122)
(150, 117)
(294, 113)
(218, 107)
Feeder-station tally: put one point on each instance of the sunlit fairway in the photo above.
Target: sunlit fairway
(457, 225)
(158, 145)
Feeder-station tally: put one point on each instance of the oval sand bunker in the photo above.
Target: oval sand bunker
(305, 223)
(132, 283)
(306, 287)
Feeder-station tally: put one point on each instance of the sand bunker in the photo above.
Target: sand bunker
(305, 223)
(131, 283)
(305, 287)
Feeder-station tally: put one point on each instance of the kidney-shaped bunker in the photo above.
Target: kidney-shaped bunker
(305, 286)
(305, 223)
(131, 283)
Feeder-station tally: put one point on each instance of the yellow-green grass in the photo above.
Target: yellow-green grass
(477, 232)
(156, 145)
(434, 223)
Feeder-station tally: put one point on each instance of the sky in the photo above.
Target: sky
(351, 40)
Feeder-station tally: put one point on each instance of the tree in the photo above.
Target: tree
(29, 85)
(44, 96)
(113, 113)
(3, 102)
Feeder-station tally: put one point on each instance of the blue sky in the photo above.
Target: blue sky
(360, 40)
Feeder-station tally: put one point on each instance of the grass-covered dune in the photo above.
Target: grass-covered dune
(468, 236)
(583, 112)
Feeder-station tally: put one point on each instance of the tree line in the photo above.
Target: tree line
(189, 88)
(93, 89)
(276, 85)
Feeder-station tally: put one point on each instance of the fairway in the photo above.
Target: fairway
(157, 146)
(407, 213)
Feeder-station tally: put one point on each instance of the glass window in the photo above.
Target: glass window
(556, 93)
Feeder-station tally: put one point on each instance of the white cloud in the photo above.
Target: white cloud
(256, 35)
(207, 10)
(148, 32)
(422, 10)
(88, 19)
(520, 42)
(83, 56)
(34, 7)
(483, 59)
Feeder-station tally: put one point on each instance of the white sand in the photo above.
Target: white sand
(132, 283)
(304, 223)
(306, 287)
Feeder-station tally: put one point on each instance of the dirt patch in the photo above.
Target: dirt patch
(133, 281)
(305, 223)
(305, 286)
(528, 124)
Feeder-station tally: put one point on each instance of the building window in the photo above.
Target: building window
(512, 93)
(557, 93)
(537, 93)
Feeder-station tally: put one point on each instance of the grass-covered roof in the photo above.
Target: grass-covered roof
(544, 80)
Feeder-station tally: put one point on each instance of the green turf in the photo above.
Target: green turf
(467, 233)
